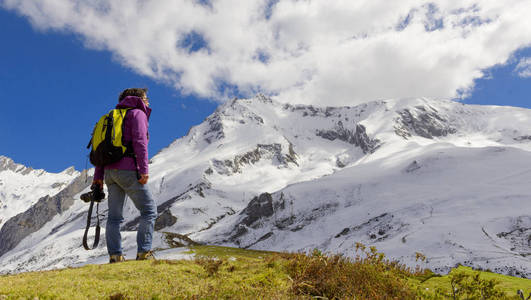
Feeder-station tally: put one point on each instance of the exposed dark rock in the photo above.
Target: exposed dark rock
(78, 216)
(215, 131)
(292, 156)
(165, 219)
(27, 170)
(259, 207)
(263, 207)
(296, 223)
(214, 221)
(57, 184)
(422, 121)
(306, 110)
(523, 138)
(310, 110)
(343, 232)
(357, 137)
(339, 163)
(33, 219)
(297, 228)
(262, 151)
(132, 225)
(378, 228)
(412, 167)
(261, 97)
(358, 227)
(199, 191)
(175, 240)
(285, 222)
(519, 235)
(238, 232)
(263, 238)
(7, 164)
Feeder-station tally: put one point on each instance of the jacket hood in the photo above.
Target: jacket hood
(134, 102)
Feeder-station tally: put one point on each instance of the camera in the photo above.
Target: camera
(96, 195)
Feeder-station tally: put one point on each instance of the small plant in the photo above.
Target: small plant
(522, 295)
(472, 286)
(118, 296)
(211, 265)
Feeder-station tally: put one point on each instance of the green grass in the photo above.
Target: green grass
(215, 273)
(229, 252)
(507, 284)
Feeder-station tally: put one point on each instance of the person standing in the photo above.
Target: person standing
(129, 176)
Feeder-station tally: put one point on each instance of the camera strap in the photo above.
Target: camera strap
(97, 235)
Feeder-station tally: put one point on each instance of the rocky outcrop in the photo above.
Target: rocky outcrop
(262, 151)
(412, 167)
(266, 210)
(33, 219)
(7, 164)
(424, 121)
(375, 228)
(215, 129)
(175, 240)
(357, 137)
(523, 138)
(165, 219)
(259, 207)
(518, 235)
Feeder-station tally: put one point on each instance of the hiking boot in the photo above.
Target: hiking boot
(116, 258)
(145, 255)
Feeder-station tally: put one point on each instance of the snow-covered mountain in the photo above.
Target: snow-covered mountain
(21, 186)
(413, 175)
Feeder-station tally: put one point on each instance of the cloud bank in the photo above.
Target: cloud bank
(339, 52)
(523, 68)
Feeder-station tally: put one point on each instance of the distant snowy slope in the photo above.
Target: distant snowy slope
(454, 204)
(21, 186)
(405, 175)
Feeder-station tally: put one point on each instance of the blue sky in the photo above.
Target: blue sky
(54, 88)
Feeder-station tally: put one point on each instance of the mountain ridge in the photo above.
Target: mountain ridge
(218, 177)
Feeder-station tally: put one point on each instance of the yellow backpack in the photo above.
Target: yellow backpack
(106, 141)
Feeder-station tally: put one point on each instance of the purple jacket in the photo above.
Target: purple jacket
(135, 132)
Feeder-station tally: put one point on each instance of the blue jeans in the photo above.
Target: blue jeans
(119, 183)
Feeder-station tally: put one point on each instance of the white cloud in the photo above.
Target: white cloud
(523, 68)
(339, 52)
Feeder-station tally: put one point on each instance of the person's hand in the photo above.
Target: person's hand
(97, 184)
(143, 178)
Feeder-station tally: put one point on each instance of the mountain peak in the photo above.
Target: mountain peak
(7, 164)
(70, 171)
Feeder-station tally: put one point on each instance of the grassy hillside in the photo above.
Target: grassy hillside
(228, 273)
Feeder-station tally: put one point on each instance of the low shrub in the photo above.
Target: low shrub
(471, 286)
(367, 276)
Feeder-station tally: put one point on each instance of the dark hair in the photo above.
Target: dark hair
(132, 92)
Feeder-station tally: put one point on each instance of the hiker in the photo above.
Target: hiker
(129, 176)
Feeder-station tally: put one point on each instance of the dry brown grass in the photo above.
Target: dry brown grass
(368, 276)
